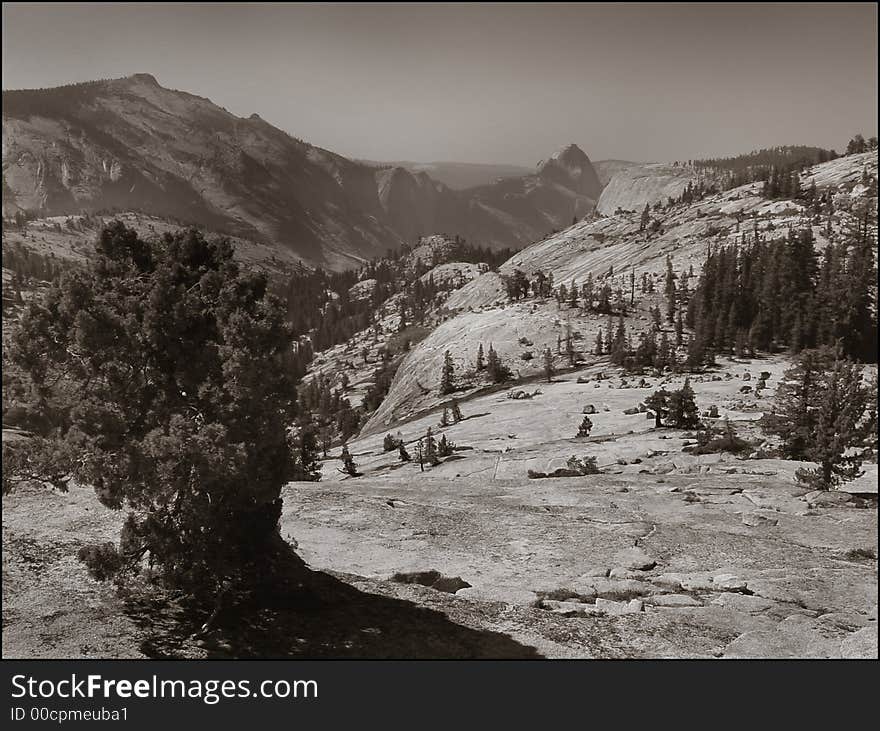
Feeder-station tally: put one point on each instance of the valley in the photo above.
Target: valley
(662, 553)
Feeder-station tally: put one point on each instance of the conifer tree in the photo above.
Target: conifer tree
(348, 464)
(169, 370)
(585, 427)
(456, 411)
(480, 364)
(683, 412)
(447, 384)
(658, 402)
(430, 448)
(549, 371)
(402, 453)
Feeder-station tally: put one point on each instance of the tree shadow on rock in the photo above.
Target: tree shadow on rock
(301, 613)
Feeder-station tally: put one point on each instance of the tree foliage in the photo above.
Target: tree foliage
(166, 368)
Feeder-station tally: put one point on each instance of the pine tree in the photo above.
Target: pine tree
(670, 291)
(658, 402)
(348, 464)
(480, 364)
(549, 371)
(683, 411)
(456, 412)
(796, 404)
(599, 344)
(825, 413)
(444, 419)
(585, 427)
(646, 217)
(498, 372)
(841, 424)
(430, 447)
(447, 384)
(570, 351)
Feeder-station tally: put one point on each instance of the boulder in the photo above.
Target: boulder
(634, 606)
(827, 498)
(673, 600)
(759, 520)
(728, 582)
(636, 559)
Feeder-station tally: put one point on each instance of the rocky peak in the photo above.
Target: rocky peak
(571, 167)
(145, 79)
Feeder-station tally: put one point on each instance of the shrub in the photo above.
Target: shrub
(102, 560)
(584, 466)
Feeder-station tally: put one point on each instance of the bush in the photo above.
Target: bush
(585, 427)
(175, 369)
(716, 441)
(102, 560)
(584, 466)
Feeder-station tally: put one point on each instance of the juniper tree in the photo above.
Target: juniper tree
(169, 374)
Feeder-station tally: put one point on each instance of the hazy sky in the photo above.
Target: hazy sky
(485, 82)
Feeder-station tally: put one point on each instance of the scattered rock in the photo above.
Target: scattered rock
(827, 498)
(673, 600)
(667, 581)
(747, 603)
(635, 558)
(633, 606)
(728, 582)
(759, 520)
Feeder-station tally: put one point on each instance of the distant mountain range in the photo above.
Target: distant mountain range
(131, 144)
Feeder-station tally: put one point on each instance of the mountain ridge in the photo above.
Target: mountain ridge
(132, 144)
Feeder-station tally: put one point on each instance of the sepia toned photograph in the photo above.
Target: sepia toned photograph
(410, 331)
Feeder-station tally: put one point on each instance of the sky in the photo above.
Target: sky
(501, 83)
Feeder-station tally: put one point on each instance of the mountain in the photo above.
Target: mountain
(610, 249)
(634, 185)
(130, 144)
(458, 175)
